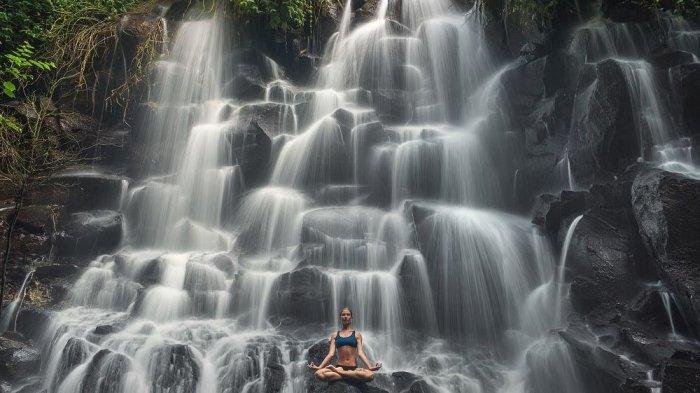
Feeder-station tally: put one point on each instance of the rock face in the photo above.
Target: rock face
(307, 288)
(601, 263)
(250, 148)
(17, 360)
(246, 84)
(685, 80)
(667, 213)
(681, 373)
(604, 138)
(94, 191)
(75, 352)
(174, 368)
(90, 233)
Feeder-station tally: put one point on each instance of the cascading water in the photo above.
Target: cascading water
(380, 197)
(660, 138)
(8, 317)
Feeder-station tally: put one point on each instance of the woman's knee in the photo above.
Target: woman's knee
(367, 375)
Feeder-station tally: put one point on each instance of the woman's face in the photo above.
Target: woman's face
(345, 316)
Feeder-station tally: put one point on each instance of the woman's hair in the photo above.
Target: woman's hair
(345, 308)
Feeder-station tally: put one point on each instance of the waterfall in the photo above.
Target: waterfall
(666, 299)
(628, 45)
(254, 221)
(562, 263)
(8, 319)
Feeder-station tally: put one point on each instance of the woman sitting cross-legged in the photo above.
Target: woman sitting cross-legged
(348, 344)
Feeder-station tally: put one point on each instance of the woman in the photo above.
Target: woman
(348, 343)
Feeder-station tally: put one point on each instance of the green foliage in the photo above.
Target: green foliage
(30, 29)
(9, 123)
(533, 12)
(687, 8)
(19, 67)
(24, 21)
(283, 15)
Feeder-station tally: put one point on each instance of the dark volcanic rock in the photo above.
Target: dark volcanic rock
(90, 233)
(550, 210)
(174, 368)
(32, 320)
(250, 148)
(336, 222)
(601, 369)
(604, 140)
(419, 387)
(667, 58)
(74, 353)
(340, 194)
(403, 379)
(668, 216)
(274, 374)
(394, 106)
(681, 373)
(686, 84)
(93, 191)
(105, 372)
(272, 117)
(246, 84)
(17, 359)
(525, 87)
(298, 291)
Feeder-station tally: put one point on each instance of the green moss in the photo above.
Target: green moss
(281, 15)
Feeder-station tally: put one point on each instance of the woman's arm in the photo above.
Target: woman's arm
(331, 352)
(363, 357)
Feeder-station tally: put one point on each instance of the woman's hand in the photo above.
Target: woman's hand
(313, 366)
(376, 366)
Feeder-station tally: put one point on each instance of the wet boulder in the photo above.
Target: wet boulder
(525, 87)
(666, 58)
(90, 233)
(18, 360)
(549, 210)
(174, 368)
(335, 222)
(394, 106)
(419, 387)
(246, 84)
(274, 374)
(668, 216)
(404, 380)
(340, 194)
(685, 80)
(93, 191)
(106, 372)
(318, 351)
(74, 353)
(145, 273)
(681, 373)
(601, 263)
(113, 146)
(250, 148)
(31, 321)
(302, 295)
(363, 139)
(239, 367)
(273, 118)
(601, 370)
(603, 139)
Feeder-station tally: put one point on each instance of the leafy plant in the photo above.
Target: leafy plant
(19, 67)
(284, 15)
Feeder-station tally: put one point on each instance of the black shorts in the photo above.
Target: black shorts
(346, 368)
